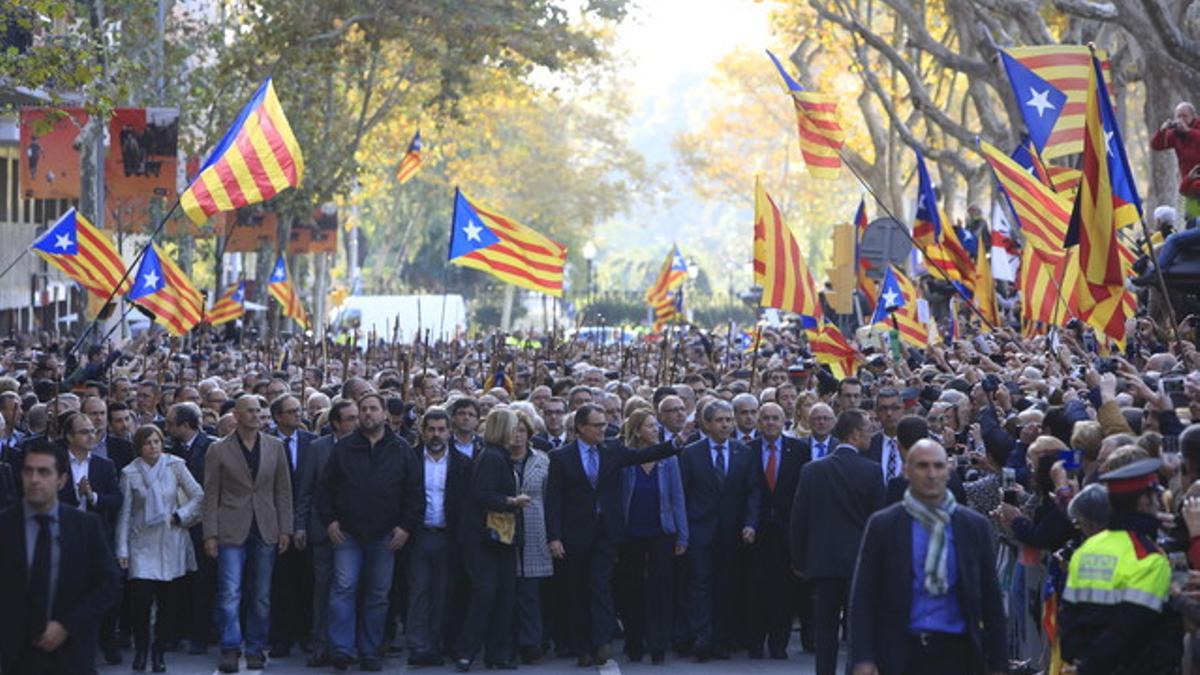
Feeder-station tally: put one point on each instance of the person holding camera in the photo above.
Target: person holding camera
(1181, 133)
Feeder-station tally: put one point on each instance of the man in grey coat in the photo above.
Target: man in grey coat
(343, 419)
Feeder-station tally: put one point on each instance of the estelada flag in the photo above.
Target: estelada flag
(163, 289)
(84, 253)
(256, 159)
(281, 287)
(487, 241)
(231, 305)
(821, 135)
(411, 162)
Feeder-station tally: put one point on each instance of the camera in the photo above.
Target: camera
(1172, 385)
(1107, 365)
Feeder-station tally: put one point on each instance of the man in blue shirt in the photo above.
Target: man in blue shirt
(934, 562)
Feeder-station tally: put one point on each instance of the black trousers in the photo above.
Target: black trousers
(143, 594)
(830, 598)
(492, 608)
(771, 592)
(938, 653)
(646, 588)
(291, 598)
(590, 608)
(196, 592)
(711, 570)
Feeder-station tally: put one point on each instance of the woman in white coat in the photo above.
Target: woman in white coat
(161, 501)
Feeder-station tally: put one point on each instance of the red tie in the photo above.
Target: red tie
(772, 466)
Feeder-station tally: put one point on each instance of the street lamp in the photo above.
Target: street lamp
(589, 254)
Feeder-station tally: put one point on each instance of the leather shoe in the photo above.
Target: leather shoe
(462, 665)
(602, 654)
(255, 662)
(584, 661)
(139, 660)
(229, 662)
(530, 655)
(318, 660)
(341, 662)
(157, 663)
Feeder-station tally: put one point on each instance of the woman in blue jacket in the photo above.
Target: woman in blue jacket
(656, 530)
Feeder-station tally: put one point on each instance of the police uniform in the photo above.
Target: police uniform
(1113, 617)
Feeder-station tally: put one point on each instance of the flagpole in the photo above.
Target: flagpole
(16, 260)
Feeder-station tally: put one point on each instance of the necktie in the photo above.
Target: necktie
(893, 462)
(818, 450)
(772, 466)
(39, 576)
(292, 453)
(554, 441)
(593, 466)
(747, 438)
(720, 462)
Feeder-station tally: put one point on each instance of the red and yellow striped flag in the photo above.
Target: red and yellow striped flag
(84, 253)
(821, 135)
(830, 347)
(161, 287)
(504, 248)
(284, 291)
(255, 160)
(229, 306)
(779, 266)
(411, 161)
(1066, 68)
(1042, 213)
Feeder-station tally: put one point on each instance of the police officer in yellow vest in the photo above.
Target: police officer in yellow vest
(1114, 617)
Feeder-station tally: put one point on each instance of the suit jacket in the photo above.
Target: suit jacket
(8, 487)
(103, 477)
(834, 499)
(193, 455)
(120, 451)
(719, 509)
(672, 511)
(897, 486)
(232, 499)
(458, 481)
(830, 444)
(881, 596)
(776, 513)
(86, 588)
(304, 439)
(541, 441)
(307, 478)
(577, 513)
(492, 483)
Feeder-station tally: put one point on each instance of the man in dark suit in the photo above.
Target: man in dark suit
(672, 415)
(722, 489)
(117, 450)
(821, 441)
(834, 499)
(912, 610)
(555, 434)
(464, 422)
(310, 533)
(745, 418)
(291, 587)
(585, 523)
(911, 430)
(57, 575)
(93, 487)
(771, 587)
(197, 589)
(445, 476)
(885, 448)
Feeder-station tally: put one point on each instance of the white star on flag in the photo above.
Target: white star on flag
(1108, 142)
(62, 241)
(891, 299)
(1040, 100)
(150, 279)
(472, 231)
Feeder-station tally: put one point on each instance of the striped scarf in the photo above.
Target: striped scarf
(936, 555)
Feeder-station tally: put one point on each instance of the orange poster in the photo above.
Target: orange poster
(142, 156)
(250, 230)
(50, 152)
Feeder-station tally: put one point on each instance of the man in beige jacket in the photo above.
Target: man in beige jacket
(247, 518)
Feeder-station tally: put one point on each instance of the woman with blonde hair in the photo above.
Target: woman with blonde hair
(534, 564)
(656, 530)
(152, 539)
(489, 547)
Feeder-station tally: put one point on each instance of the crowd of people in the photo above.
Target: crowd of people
(1003, 503)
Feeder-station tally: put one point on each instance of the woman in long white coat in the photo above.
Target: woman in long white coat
(161, 501)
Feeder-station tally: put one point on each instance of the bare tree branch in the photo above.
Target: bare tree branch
(1085, 9)
(921, 39)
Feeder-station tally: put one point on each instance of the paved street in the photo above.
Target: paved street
(799, 663)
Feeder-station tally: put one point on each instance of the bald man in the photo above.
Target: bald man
(925, 597)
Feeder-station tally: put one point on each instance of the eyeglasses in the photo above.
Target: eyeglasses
(290, 411)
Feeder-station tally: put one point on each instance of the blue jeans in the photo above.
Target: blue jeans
(374, 562)
(258, 559)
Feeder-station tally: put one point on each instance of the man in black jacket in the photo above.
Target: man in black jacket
(834, 499)
(197, 589)
(445, 477)
(58, 576)
(772, 586)
(291, 585)
(721, 486)
(584, 524)
(370, 501)
(925, 596)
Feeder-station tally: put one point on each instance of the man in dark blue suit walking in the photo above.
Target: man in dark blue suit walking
(291, 585)
(835, 498)
(722, 487)
(926, 599)
(585, 522)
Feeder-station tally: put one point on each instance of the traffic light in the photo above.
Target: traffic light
(842, 274)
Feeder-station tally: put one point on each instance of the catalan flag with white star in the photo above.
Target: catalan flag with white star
(84, 253)
(487, 241)
(256, 159)
(897, 308)
(281, 288)
(821, 135)
(231, 305)
(162, 288)
(411, 162)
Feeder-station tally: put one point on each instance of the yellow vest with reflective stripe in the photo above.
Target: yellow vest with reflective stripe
(1107, 570)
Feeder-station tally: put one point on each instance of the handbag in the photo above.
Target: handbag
(501, 527)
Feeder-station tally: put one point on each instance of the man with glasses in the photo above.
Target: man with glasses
(291, 587)
(555, 434)
(93, 487)
(885, 447)
(672, 415)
